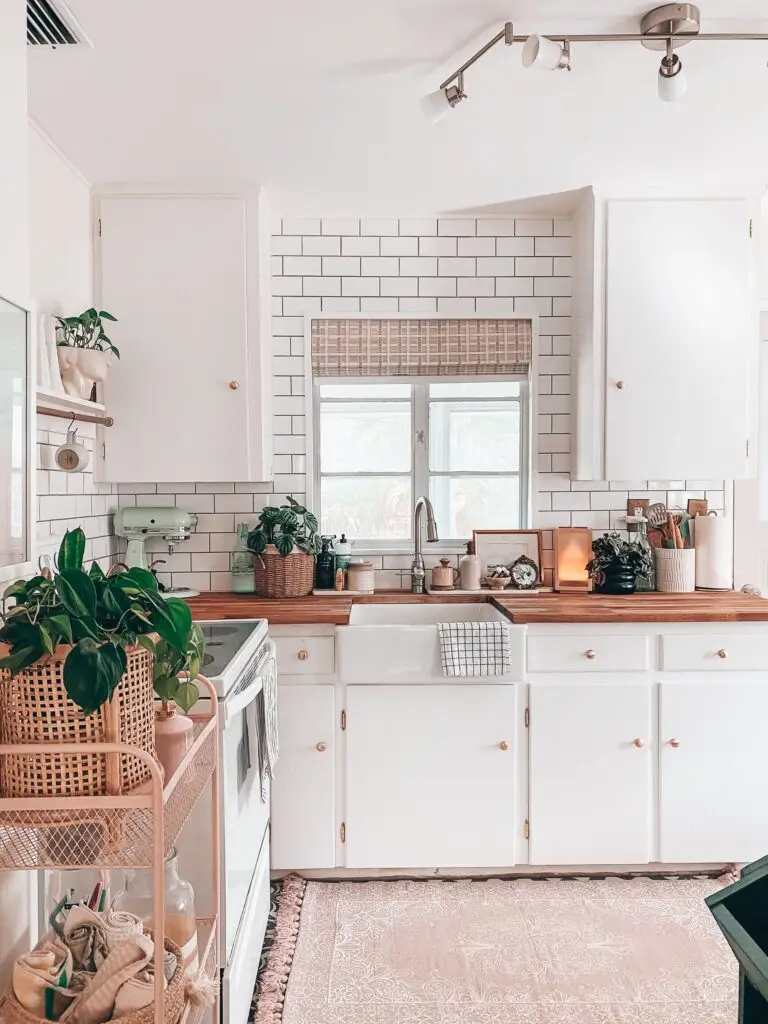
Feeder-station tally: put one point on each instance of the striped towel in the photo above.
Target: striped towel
(474, 648)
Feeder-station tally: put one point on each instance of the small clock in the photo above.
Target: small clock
(524, 573)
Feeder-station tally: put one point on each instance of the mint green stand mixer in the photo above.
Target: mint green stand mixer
(138, 523)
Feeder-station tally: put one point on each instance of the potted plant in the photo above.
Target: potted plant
(84, 350)
(616, 564)
(77, 650)
(285, 543)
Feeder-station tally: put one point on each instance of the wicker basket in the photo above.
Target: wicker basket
(35, 709)
(284, 575)
(12, 1012)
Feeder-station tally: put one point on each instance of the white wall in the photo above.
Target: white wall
(14, 284)
(60, 243)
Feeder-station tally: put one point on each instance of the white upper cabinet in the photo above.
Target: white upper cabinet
(187, 276)
(665, 340)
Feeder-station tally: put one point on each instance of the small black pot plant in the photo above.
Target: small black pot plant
(285, 542)
(79, 644)
(616, 564)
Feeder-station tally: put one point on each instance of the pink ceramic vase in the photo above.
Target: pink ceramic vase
(173, 736)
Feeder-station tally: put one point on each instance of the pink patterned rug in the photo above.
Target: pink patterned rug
(608, 951)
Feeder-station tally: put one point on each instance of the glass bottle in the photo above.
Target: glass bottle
(180, 923)
(242, 562)
(637, 527)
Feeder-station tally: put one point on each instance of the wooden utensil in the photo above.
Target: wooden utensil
(657, 515)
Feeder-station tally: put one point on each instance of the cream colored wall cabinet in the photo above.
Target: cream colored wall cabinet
(664, 340)
(187, 276)
(430, 776)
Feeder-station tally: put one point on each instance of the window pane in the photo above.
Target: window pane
(369, 508)
(464, 504)
(488, 389)
(467, 436)
(365, 390)
(356, 437)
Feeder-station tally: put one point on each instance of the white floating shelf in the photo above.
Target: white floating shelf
(67, 403)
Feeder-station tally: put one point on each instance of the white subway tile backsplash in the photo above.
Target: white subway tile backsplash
(372, 226)
(287, 285)
(418, 226)
(473, 247)
(498, 227)
(378, 305)
(399, 245)
(456, 266)
(379, 266)
(360, 286)
(418, 306)
(466, 286)
(321, 245)
(514, 286)
(289, 245)
(340, 226)
(515, 246)
(455, 307)
(536, 226)
(554, 246)
(418, 266)
(534, 266)
(340, 305)
(400, 286)
(301, 225)
(322, 286)
(456, 226)
(495, 307)
(496, 266)
(552, 286)
(341, 266)
(437, 286)
(437, 246)
(360, 246)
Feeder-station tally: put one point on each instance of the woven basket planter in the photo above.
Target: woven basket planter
(14, 1013)
(284, 575)
(36, 710)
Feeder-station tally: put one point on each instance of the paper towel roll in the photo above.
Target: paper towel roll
(713, 538)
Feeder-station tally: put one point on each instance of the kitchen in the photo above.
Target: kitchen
(607, 401)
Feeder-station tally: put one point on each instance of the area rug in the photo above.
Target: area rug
(523, 951)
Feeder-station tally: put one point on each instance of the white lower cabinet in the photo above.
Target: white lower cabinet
(714, 767)
(304, 789)
(430, 776)
(590, 775)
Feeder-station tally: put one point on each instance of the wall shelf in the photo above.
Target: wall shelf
(62, 406)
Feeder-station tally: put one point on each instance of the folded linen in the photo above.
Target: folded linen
(474, 648)
(40, 978)
(97, 1001)
(92, 936)
(137, 992)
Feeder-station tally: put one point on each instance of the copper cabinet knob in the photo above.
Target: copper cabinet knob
(722, 653)
(503, 745)
(638, 742)
(302, 655)
(321, 747)
(674, 743)
(234, 385)
(589, 654)
(620, 385)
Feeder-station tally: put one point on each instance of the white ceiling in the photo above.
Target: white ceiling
(319, 102)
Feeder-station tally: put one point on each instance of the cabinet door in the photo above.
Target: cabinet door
(173, 271)
(679, 330)
(714, 766)
(304, 789)
(430, 776)
(590, 784)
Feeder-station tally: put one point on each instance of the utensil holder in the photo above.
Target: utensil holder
(675, 570)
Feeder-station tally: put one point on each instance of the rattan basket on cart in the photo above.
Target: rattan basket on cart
(284, 575)
(36, 710)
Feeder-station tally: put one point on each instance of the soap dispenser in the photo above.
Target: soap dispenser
(325, 572)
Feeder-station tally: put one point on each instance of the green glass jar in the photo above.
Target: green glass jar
(637, 527)
(242, 562)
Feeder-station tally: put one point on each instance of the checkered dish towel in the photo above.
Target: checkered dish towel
(474, 648)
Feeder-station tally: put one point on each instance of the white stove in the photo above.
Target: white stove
(238, 656)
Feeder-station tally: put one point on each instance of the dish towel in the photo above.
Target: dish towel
(474, 648)
(266, 725)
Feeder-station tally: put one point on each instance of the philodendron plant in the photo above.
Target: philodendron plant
(289, 528)
(99, 616)
(87, 331)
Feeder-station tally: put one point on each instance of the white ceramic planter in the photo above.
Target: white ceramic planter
(81, 368)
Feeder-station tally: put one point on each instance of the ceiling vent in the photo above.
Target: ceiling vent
(47, 25)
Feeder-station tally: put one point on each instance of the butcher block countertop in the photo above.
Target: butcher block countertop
(730, 606)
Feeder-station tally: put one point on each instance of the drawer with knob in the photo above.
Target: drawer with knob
(305, 655)
(588, 652)
(714, 653)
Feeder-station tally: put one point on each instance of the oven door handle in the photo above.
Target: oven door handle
(233, 705)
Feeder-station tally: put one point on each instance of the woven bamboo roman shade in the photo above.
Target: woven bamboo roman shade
(420, 348)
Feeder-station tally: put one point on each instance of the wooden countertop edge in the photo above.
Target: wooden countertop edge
(730, 606)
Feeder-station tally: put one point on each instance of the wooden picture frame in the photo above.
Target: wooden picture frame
(503, 547)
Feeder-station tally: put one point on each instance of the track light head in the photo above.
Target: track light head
(546, 54)
(435, 105)
(672, 81)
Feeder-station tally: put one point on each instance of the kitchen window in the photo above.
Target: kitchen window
(380, 444)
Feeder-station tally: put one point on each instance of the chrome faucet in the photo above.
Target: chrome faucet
(418, 573)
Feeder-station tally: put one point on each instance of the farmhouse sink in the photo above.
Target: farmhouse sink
(398, 643)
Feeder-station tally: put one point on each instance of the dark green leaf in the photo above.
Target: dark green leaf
(147, 643)
(19, 659)
(167, 687)
(61, 627)
(107, 316)
(46, 639)
(143, 577)
(257, 541)
(77, 592)
(115, 349)
(72, 550)
(91, 674)
(15, 589)
(284, 544)
(96, 572)
(292, 501)
(85, 628)
(310, 520)
(172, 619)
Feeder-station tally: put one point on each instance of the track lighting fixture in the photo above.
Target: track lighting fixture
(664, 28)
(672, 81)
(546, 55)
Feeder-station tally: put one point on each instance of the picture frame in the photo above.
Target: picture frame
(503, 547)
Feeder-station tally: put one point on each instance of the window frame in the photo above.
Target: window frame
(419, 472)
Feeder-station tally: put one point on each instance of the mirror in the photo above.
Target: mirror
(14, 426)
